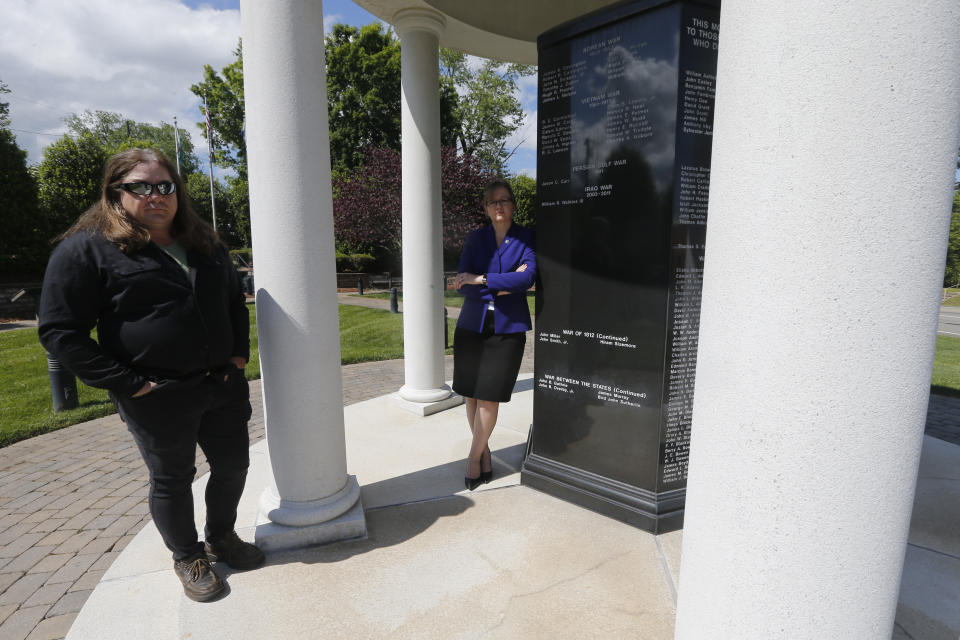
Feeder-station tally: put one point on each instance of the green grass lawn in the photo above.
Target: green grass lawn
(946, 367)
(25, 405)
(374, 334)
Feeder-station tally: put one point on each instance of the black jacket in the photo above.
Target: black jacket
(153, 320)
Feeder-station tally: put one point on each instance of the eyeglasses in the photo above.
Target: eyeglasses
(146, 188)
(498, 203)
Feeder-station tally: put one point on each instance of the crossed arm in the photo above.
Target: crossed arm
(473, 278)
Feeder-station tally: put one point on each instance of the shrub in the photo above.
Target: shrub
(354, 262)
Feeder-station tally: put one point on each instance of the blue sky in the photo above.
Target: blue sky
(64, 56)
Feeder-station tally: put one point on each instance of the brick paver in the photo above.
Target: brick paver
(22, 622)
(53, 628)
(943, 418)
(71, 500)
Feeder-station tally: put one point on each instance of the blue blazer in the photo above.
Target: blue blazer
(481, 255)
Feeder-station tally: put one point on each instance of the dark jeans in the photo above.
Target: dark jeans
(167, 424)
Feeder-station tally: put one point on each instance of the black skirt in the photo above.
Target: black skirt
(485, 365)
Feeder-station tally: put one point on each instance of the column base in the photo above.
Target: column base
(351, 525)
(427, 408)
(292, 513)
(424, 395)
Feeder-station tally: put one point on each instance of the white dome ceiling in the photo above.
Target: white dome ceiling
(500, 29)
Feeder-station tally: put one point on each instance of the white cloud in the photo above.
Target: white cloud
(329, 21)
(137, 57)
(526, 136)
(648, 85)
(474, 63)
(528, 91)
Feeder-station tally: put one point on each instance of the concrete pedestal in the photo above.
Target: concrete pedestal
(270, 535)
(428, 408)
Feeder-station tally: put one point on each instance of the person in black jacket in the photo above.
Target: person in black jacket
(172, 343)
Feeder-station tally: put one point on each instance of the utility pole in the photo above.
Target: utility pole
(206, 113)
(176, 142)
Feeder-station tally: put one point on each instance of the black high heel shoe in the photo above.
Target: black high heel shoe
(473, 483)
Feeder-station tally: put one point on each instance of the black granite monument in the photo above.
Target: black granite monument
(624, 135)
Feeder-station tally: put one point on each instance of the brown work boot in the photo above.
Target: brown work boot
(235, 552)
(200, 583)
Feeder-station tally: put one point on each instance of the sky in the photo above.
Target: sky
(139, 58)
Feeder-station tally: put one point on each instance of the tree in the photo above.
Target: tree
(24, 243)
(238, 208)
(363, 92)
(363, 99)
(69, 178)
(224, 96)
(488, 111)
(462, 181)
(367, 208)
(233, 208)
(198, 189)
(116, 133)
(525, 192)
(951, 276)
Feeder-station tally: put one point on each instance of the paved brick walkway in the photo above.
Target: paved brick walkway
(943, 418)
(71, 500)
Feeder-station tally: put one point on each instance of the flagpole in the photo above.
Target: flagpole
(176, 142)
(213, 206)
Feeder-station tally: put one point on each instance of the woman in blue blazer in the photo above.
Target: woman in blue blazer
(496, 268)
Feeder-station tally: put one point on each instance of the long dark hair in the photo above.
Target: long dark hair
(108, 218)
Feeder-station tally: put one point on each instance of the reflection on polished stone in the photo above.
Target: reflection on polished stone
(625, 129)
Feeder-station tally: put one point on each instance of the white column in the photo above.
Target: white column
(312, 499)
(834, 149)
(422, 238)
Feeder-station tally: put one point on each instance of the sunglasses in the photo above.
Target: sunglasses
(146, 188)
(498, 203)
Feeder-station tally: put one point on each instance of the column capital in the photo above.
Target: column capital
(419, 19)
